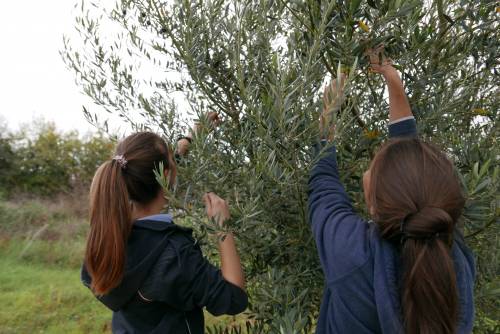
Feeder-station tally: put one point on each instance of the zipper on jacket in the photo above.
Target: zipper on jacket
(187, 324)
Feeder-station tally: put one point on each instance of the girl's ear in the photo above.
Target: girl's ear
(366, 191)
(366, 186)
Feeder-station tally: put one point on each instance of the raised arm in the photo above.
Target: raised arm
(401, 120)
(231, 268)
(184, 142)
(399, 107)
(339, 233)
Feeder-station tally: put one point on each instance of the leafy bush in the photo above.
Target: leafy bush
(261, 65)
(43, 161)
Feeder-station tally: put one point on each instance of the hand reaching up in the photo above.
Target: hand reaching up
(213, 121)
(184, 142)
(333, 97)
(399, 106)
(379, 63)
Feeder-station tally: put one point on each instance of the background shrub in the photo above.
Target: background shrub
(39, 160)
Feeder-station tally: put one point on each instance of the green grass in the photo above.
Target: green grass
(41, 299)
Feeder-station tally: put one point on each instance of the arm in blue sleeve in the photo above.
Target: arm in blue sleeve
(341, 235)
(406, 128)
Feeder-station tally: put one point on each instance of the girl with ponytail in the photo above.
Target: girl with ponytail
(149, 271)
(407, 270)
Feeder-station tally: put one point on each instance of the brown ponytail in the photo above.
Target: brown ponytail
(429, 294)
(110, 219)
(416, 200)
(117, 183)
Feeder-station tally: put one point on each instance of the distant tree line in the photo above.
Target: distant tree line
(39, 160)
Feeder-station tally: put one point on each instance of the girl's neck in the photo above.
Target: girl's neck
(153, 208)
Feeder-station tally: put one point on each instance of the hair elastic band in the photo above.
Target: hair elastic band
(121, 161)
(403, 223)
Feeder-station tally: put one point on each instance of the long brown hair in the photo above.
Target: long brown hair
(416, 200)
(127, 177)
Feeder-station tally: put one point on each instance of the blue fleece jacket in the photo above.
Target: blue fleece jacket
(361, 269)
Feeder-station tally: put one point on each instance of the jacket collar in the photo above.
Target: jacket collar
(163, 217)
(158, 222)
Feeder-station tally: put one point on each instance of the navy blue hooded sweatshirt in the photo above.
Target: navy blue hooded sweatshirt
(361, 269)
(167, 283)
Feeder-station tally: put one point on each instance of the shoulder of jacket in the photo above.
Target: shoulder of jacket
(180, 239)
(172, 260)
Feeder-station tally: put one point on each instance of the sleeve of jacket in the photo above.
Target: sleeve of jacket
(405, 127)
(340, 235)
(184, 279)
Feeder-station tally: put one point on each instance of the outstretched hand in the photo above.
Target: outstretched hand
(216, 207)
(333, 97)
(379, 63)
(213, 121)
(183, 143)
(399, 106)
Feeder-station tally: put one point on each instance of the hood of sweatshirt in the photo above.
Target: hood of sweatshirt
(147, 240)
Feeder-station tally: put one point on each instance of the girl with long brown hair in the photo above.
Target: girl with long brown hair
(149, 271)
(407, 270)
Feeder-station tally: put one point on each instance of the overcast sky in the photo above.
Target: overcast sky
(34, 81)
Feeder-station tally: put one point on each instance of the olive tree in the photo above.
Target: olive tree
(261, 65)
